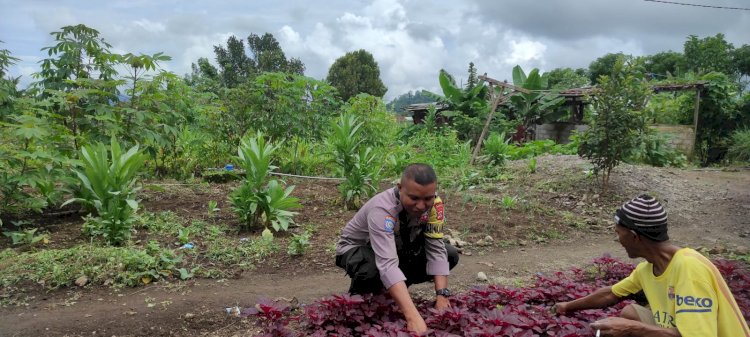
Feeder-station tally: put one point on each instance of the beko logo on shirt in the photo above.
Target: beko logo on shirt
(703, 304)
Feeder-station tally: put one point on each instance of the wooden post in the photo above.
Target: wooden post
(697, 104)
(495, 103)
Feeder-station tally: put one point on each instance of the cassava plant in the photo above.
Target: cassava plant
(259, 201)
(109, 185)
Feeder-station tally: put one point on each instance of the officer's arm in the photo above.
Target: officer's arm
(441, 282)
(414, 320)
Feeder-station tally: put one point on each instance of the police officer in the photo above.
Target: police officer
(396, 240)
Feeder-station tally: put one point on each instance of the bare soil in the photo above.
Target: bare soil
(561, 219)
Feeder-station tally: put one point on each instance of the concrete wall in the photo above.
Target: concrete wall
(681, 137)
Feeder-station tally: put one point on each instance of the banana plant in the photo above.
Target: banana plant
(468, 102)
(535, 106)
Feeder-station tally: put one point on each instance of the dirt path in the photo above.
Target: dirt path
(197, 308)
(707, 208)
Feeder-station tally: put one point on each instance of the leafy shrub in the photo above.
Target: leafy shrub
(482, 311)
(497, 149)
(25, 237)
(359, 166)
(654, 149)
(109, 181)
(617, 122)
(254, 203)
(532, 165)
(303, 157)
(441, 149)
(55, 268)
(299, 244)
(740, 148)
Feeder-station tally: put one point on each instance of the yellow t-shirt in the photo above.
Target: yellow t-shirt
(690, 295)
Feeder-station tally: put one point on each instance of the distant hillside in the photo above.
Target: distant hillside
(398, 104)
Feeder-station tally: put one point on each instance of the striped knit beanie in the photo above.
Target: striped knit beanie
(645, 216)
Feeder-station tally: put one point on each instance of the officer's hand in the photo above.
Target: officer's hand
(442, 303)
(416, 325)
(560, 308)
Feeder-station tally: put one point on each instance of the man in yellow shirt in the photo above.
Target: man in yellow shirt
(687, 296)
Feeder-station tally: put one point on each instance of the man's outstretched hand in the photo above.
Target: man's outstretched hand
(416, 325)
(442, 303)
(560, 308)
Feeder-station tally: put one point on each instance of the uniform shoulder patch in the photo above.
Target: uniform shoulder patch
(390, 223)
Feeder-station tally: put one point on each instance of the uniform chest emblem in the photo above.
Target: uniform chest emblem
(390, 223)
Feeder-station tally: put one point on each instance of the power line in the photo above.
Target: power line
(697, 5)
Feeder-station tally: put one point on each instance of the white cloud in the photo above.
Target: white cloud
(149, 26)
(525, 51)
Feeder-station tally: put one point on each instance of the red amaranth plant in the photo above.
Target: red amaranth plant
(482, 311)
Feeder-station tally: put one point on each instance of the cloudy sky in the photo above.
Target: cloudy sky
(411, 40)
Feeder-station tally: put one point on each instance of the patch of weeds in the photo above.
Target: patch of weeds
(544, 235)
(744, 258)
(242, 253)
(116, 266)
(574, 221)
(162, 223)
(212, 208)
(299, 243)
(26, 237)
(331, 247)
(14, 297)
(201, 188)
(504, 243)
(537, 208)
(509, 202)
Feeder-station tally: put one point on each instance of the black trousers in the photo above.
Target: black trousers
(359, 264)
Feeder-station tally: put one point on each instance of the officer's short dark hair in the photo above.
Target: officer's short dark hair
(422, 174)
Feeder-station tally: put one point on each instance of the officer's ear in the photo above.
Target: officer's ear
(398, 185)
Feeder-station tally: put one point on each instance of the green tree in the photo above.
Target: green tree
(472, 80)
(566, 78)
(617, 121)
(664, 64)
(604, 66)
(720, 114)
(355, 73)
(8, 85)
(79, 54)
(204, 76)
(278, 104)
(712, 53)
(741, 60)
(268, 56)
(234, 65)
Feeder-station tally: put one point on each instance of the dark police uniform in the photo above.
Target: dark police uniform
(381, 246)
